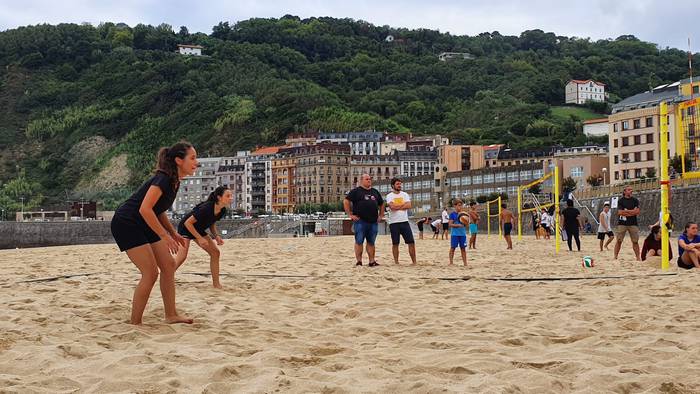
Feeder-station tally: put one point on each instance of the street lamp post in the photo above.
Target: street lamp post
(605, 173)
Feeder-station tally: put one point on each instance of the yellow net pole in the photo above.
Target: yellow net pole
(520, 214)
(665, 185)
(488, 219)
(557, 241)
(500, 231)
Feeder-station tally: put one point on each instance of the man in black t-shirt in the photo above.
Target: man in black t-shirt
(365, 206)
(627, 211)
(571, 223)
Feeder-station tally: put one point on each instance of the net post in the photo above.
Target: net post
(500, 233)
(665, 185)
(520, 215)
(557, 241)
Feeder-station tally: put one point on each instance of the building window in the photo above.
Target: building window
(576, 172)
(696, 89)
(626, 125)
(637, 139)
(636, 123)
(617, 176)
(637, 172)
(488, 178)
(625, 141)
(625, 157)
(650, 155)
(616, 159)
(650, 121)
(615, 142)
(476, 179)
(637, 157)
(615, 127)
(650, 138)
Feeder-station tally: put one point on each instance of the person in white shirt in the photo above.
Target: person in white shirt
(399, 202)
(604, 227)
(435, 225)
(546, 223)
(445, 224)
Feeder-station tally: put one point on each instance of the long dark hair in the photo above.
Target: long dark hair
(166, 160)
(654, 230)
(215, 196)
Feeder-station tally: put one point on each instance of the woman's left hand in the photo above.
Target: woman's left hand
(179, 239)
(218, 240)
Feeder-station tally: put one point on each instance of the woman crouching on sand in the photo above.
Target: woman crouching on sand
(142, 229)
(195, 224)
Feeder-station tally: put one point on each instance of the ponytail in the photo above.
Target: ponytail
(215, 196)
(166, 160)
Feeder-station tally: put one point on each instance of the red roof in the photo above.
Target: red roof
(267, 150)
(593, 121)
(581, 82)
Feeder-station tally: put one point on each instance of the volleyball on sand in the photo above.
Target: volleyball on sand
(587, 262)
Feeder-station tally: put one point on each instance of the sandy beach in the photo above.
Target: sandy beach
(296, 315)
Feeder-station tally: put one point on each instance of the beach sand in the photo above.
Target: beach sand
(337, 328)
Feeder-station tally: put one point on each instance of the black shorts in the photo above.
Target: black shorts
(435, 229)
(446, 226)
(683, 265)
(545, 227)
(420, 227)
(182, 230)
(507, 228)
(601, 236)
(130, 235)
(399, 230)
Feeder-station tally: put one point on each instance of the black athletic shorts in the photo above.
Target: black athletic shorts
(601, 236)
(130, 235)
(507, 228)
(446, 226)
(399, 230)
(420, 227)
(683, 265)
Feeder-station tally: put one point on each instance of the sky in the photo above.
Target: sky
(667, 23)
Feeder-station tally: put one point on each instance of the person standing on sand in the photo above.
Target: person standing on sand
(194, 227)
(507, 220)
(459, 233)
(141, 228)
(571, 219)
(473, 224)
(365, 206)
(546, 223)
(399, 203)
(628, 210)
(604, 226)
(445, 224)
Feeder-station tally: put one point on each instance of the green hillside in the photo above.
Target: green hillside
(83, 109)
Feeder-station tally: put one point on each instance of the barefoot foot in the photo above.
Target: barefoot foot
(178, 319)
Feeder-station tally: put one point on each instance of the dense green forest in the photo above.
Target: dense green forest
(84, 108)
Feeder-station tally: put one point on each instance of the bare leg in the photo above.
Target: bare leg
(509, 241)
(395, 252)
(166, 263)
(601, 245)
(635, 246)
(143, 258)
(214, 256)
(412, 252)
(452, 255)
(181, 255)
(652, 252)
(358, 252)
(610, 239)
(618, 245)
(464, 255)
(370, 252)
(691, 257)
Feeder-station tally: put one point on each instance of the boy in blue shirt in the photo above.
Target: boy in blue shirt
(458, 233)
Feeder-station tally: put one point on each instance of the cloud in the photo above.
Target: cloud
(649, 20)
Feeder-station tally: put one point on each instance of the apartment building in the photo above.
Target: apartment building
(580, 91)
(380, 167)
(414, 163)
(512, 157)
(461, 157)
(322, 173)
(196, 188)
(283, 189)
(634, 128)
(231, 173)
(580, 162)
(258, 171)
(360, 142)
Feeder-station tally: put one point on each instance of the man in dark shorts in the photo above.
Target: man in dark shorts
(399, 203)
(627, 211)
(365, 206)
(507, 219)
(445, 217)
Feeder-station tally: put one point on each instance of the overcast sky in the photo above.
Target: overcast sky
(667, 23)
